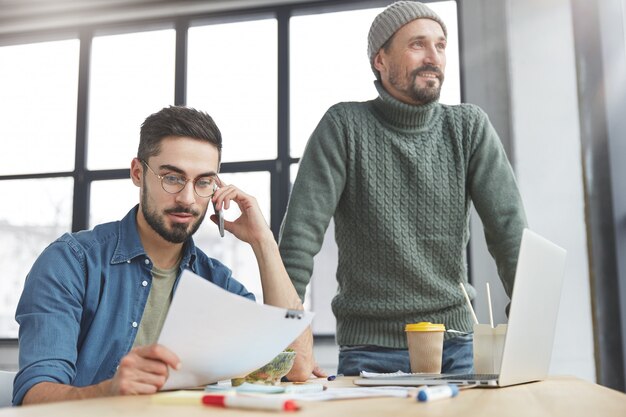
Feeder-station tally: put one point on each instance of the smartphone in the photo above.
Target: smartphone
(220, 217)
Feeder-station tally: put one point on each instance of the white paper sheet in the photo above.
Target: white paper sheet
(219, 335)
(345, 393)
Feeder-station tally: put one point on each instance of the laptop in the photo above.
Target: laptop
(532, 322)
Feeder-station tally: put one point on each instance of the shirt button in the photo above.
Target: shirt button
(145, 283)
(147, 261)
(128, 261)
(135, 324)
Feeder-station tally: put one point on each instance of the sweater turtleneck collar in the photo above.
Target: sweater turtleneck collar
(401, 115)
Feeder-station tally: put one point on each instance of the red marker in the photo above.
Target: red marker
(250, 402)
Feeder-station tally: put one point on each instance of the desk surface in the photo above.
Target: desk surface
(557, 396)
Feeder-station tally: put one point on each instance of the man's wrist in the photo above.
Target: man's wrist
(104, 388)
(264, 243)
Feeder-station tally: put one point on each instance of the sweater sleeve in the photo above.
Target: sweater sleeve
(497, 200)
(314, 198)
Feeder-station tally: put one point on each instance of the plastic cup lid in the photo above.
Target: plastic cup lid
(425, 326)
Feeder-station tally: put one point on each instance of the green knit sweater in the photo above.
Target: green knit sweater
(399, 181)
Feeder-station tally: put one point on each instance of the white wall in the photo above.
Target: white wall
(548, 161)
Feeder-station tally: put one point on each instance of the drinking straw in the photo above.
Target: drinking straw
(469, 303)
(490, 310)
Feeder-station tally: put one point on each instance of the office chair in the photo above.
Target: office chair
(6, 388)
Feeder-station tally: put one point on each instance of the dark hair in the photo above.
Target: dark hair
(177, 121)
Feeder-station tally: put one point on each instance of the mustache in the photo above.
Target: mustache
(179, 209)
(427, 68)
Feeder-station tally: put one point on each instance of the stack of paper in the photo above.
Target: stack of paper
(219, 335)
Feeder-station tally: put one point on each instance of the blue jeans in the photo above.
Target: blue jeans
(458, 358)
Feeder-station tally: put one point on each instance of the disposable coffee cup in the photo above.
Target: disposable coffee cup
(425, 342)
(488, 347)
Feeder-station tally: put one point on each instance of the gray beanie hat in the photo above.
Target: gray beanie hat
(393, 18)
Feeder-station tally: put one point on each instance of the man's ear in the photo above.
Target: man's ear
(136, 171)
(379, 62)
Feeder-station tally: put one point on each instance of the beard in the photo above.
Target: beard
(177, 232)
(422, 95)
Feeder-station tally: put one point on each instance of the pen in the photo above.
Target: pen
(437, 392)
(251, 403)
(333, 377)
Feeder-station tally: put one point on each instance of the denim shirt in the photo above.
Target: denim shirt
(83, 301)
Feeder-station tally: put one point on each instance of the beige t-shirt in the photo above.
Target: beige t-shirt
(157, 305)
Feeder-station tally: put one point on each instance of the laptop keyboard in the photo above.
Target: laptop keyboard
(473, 377)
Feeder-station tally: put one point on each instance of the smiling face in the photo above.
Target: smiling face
(413, 62)
(174, 217)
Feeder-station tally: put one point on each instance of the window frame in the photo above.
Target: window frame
(278, 168)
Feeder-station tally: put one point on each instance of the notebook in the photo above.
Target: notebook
(532, 322)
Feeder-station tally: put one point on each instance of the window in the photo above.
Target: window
(27, 225)
(327, 66)
(38, 124)
(331, 65)
(265, 74)
(132, 76)
(232, 76)
(38, 102)
(111, 200)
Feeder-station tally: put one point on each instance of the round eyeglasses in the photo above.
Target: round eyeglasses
(174, 183)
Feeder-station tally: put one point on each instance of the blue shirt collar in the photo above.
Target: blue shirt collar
(129, 244)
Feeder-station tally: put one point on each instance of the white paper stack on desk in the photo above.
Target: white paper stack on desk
(219, 335)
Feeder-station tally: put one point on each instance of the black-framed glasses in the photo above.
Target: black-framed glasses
(173, 183)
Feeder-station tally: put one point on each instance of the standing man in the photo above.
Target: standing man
(398, 174)
(95, 301)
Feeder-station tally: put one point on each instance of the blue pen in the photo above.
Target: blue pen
(332, 377)
(437, 392)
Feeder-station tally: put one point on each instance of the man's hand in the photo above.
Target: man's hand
(251, 226)
(304, 366)
(143, 370)
(303, 370)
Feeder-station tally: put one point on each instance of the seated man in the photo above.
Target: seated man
(95, 301)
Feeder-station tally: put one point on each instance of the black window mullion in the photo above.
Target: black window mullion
(280, 181)
(80, 211)
(247, 166)
(180, 75)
